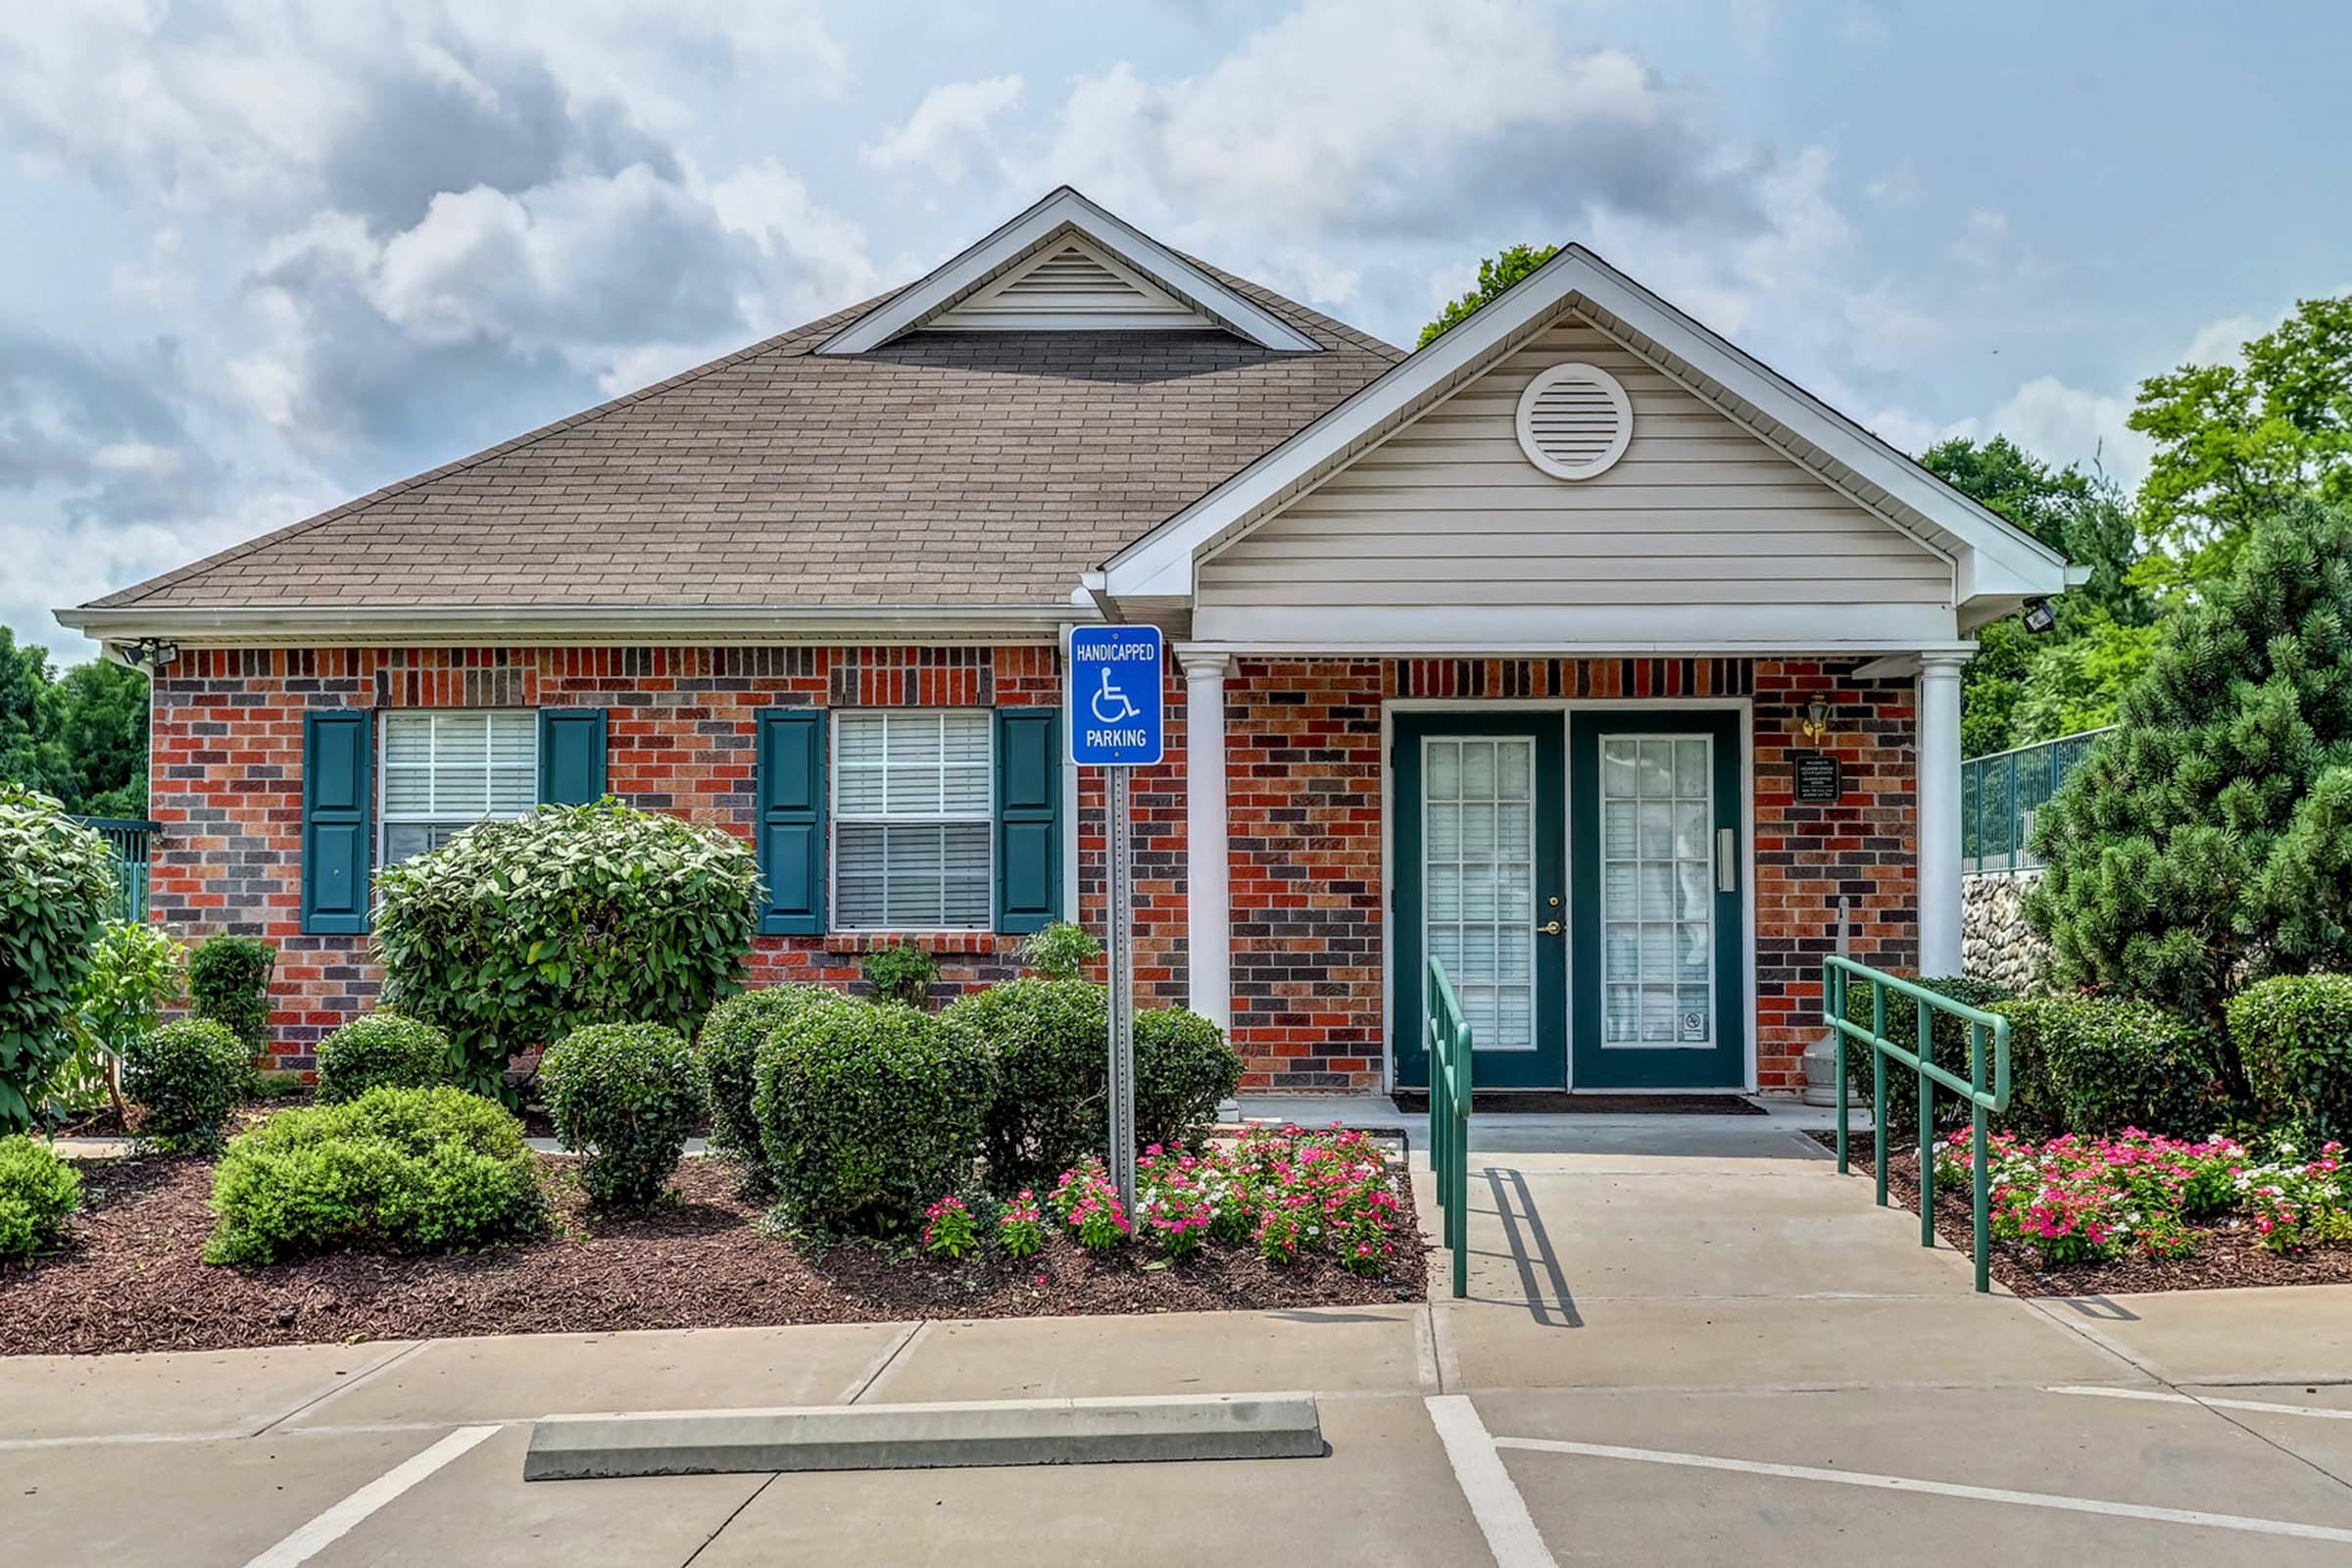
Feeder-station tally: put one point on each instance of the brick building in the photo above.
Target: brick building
(1576, 651)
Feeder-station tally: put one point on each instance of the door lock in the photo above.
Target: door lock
(1550, 929)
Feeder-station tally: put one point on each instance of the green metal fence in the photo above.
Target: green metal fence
(130, 840)
(1988, 1054)
(1449, 1118)
(2000, 792)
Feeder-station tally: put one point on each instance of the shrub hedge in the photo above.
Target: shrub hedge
(394, 1170)
(2293, 1038)
(1052, 1043)
(380, 1050)
(904, 974)
(189, 1074)
(229, 982)
(628, 1095)
(57, 882)
(1182, 1069)
(2028, 1087)
(868, 1113)
(2113, 1062)
(729, 1051)
(37, 1193)
(519, 932)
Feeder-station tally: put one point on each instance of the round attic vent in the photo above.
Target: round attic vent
(1574, 420)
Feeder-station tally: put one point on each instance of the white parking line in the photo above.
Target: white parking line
(1941, 1488)
(337, 1522)
(1494, 1502)
(2164, 1397)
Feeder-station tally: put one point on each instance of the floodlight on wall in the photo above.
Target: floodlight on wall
(149, 652)
(2040, 616)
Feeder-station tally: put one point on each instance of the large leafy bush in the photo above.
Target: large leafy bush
(2115, 1062)
(2206, 842)
(1183, 1070)
(2029, 1086)
(628, 1095)
(382, 1050)
(729, 1048)
(2293, 1035)
(135, 971)
(870, 1113)
(37, 1193)
(189, 1074)
(57, 881)
(229, 982)
(396, 1170)
(1051, 1041)
(519, 932)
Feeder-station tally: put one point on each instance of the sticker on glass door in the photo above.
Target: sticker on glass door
(1657, 892)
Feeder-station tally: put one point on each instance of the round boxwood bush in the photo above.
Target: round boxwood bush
(189, 1074)
(2115, 1061)
(2293, 1037)
(229, 982)
(1052, 1043)
(37, 1193)
(57, 883)
(729, 1047)
(868, 1113)
(404, 1170)
(2028, 1094)
(378, 1050)
(519, 932)
(1183, 1072)
(628, 1095)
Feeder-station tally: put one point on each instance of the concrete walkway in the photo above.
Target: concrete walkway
(1685, 1343)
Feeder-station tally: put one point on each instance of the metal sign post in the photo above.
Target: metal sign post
(1116, 723)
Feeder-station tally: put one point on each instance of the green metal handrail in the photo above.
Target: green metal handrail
(1450, 1119)
(130, 839)
(1836, 974)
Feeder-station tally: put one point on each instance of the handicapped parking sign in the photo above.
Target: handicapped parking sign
(1114, 696)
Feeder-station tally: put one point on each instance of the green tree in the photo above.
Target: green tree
(2184, 850)
(82, 738)
(2078, 682)
(1495, 273)
(28, 753)
(2235, 443)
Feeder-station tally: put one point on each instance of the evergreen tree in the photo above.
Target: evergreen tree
(2202, 844)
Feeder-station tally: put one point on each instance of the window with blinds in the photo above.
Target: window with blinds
(911, 819)
(445, 769)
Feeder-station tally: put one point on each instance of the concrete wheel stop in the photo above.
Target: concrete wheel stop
(926, 1437)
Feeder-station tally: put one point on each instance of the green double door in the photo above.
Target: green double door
(1580, 883)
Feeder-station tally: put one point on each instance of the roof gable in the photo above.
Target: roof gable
(1069, 286)
(976, 278)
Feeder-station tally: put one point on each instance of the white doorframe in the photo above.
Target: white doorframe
(1745, 706)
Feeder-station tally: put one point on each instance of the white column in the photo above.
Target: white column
(1209, 924)
(1938, 828)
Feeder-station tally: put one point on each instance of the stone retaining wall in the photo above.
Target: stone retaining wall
(1996, 942)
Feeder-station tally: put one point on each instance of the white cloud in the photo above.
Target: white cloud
(947, 136)
(1983, 234)
(1897, 190)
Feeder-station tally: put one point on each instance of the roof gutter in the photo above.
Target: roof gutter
(427, 625)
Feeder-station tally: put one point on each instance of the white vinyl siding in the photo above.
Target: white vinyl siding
(1449, 512)
(912, 824)
(1069, 286)
(445, 769)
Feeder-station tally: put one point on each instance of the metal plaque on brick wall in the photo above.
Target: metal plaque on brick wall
(1820, 777)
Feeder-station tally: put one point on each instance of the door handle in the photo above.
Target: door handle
(1726, 859)
(1550, 929)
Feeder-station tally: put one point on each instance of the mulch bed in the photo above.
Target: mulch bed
(2224, 1259)
(130, 1276)
(1562, 1103)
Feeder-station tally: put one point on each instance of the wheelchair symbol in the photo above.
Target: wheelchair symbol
(1110, 705)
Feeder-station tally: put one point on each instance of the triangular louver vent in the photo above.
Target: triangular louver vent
(1069, 286)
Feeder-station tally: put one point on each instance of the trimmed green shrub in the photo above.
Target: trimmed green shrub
(902, 974)
(1183, 1070)
(519, 932)
(729, 1047)
(189, 1074)
(229, 982)
(57, 882)
(1061, 951)
(37, 1193)
(406, 1170)
(868, 1113)
(628, 1095)
(1051, 1040)
(2114, 1062)
(382, 1049)
(2028, 1094)
(2293, 1037)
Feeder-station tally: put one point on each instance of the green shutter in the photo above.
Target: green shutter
(338, 798)
(571, 755)
(1028, 819)
(791, 764)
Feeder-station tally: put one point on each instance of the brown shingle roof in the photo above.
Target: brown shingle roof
(950, 468)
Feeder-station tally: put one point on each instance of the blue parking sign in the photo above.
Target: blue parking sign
(1114, 696)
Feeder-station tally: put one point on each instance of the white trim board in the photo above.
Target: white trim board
(1062, 213)
(1992, 559)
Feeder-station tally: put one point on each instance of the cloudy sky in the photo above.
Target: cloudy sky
(266, 256)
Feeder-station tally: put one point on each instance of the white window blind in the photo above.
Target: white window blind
(445, 770)
(911, 824)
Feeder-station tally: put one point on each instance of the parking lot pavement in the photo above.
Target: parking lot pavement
(2245, 1335)
(220, 1393)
